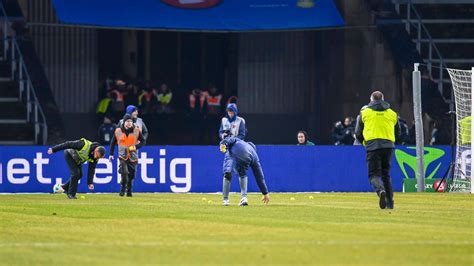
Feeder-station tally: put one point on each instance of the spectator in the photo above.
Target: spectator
(164, 96)
(131, 94)
(436, 137)
(302, 138)
(404, 137)
(233, 99)
(214, 109)
(343, 133)
(197, 101)
(106, 131)
(104, 108)
(147, 102)
(214, 101)
(117, 94)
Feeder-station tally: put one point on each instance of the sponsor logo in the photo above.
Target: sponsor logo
(405, 159)
(305, 3)
(192, 4)
(440, 186)
(19, 171)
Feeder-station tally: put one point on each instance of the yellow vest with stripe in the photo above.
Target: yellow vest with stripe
(378, 124)
(465, 130)
(85, 151)
(103, 105)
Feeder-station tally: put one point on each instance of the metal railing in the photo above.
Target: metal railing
(19, 72)
(423, 36)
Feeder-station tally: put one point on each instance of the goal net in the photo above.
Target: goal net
(463, 88)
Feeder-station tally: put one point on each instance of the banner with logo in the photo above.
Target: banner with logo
(199, 169)
(431, 185)
(209, 15)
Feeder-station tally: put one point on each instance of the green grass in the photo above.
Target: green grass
(332, 228)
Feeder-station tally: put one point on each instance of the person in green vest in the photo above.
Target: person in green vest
(465, 130)
(76, 153)
(302, 138)
(377, 128)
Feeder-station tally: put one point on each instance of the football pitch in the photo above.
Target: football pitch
(306, 228)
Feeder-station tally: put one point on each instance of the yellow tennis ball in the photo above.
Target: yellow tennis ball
(83, 197)
(292, 198)
(311, 197)
(203, 199)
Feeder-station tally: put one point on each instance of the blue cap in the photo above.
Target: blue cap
(130, 109)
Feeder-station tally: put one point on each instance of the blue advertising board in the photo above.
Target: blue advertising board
(208, 15)
(199, 169)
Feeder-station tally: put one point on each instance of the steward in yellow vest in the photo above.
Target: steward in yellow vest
(129, 139)
(377, 128)
(77, 153)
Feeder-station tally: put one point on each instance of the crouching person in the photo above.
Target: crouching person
(129, 140)
(76, 153)
(244, 155)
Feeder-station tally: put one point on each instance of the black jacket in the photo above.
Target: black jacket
(77, 145)
(376, 144)
(113, 142)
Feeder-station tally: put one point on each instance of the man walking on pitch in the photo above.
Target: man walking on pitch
(232, 125)
(244, 155)
(77, 153)
(377, 128)
(129, 139)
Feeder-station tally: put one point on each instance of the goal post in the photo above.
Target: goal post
(420, 144)
(463, 87)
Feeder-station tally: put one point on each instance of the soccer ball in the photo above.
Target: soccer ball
(58, 189)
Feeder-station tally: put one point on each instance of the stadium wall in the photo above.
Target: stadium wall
(199, 169)
(69, 57)
(330, 75)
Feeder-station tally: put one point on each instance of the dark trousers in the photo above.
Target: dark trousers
(127, 170)
(70, 187)
(379, 164)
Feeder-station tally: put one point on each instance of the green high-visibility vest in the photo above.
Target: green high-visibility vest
(465, 129)
(84, 152)
(379, 124)
(103, 105)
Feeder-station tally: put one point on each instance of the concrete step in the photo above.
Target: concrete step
(18, 132)
(9, 100)
(13, 110)
(13, 121)
(9, 90)
(17, 142)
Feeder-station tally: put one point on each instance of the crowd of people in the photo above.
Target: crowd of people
(150, 98)
(199, 111)
(343, 132)
(203, 109)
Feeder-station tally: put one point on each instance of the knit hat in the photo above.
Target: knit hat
(127, 117)
(130, 109)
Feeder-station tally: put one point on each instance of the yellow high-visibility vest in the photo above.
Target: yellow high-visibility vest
(465, 129)
(379, 124)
